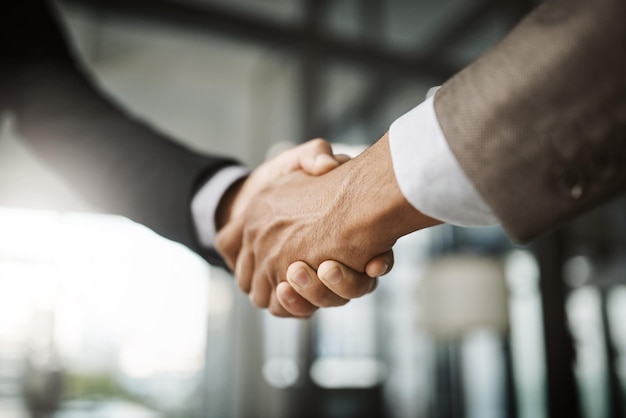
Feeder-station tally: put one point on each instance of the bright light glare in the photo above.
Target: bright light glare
(141, 359)
(123, 298)
(281, 372)
(348, 372)
(522, 274)
(577, 270)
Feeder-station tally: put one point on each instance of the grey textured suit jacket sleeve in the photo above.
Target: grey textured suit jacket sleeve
(538, 123)
(119, 164)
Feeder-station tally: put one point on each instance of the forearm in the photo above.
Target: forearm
(118, 164)
(351, 214)
(373, 203)
(537, 122)
(428, 173)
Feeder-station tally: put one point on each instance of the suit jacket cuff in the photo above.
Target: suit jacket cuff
(428, 174)
(205, 201)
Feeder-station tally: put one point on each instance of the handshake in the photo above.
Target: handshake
(309, 229)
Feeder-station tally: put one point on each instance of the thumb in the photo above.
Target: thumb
(380, 265)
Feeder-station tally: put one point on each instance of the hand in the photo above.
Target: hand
(307, 290)
(352, 214)
(315, 158)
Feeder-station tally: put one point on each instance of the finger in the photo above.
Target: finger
(292, 303)
(380, 265)
(342, 158)
(303, 157)
(229, 240)
(374, 285)
(244, 270)
(263, 283)
(276, 308)
(261, 291)
(315, 157)
(344, 281)
(303, 279)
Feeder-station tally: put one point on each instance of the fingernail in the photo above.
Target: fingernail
(383, 270)
(325, 159)
(333, 276)
(300, 278)
(289, 299)
(287, 294)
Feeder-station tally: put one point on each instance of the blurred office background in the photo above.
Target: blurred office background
(100, 317)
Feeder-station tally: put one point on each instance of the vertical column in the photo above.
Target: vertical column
(563, 399)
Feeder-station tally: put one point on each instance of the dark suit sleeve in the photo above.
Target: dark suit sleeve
(117, 163)
(539, 122)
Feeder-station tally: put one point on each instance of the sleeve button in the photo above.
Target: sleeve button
(571, 183)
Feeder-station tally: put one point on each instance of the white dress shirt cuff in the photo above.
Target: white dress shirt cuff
(204, 203)
(428, 174)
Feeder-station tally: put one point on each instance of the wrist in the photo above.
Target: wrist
(375, 201)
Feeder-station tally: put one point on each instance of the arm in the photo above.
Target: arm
(354, 213)
(117, 163)
(508, 119)
(538, 123)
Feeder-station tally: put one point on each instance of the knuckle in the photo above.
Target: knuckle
(243, 285)
(373, 285)
(278, 312)
(259, 302)
(319, 143)
(357, 288)
(329, 299)
(305, 313)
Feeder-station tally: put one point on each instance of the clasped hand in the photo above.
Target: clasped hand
(282, 239)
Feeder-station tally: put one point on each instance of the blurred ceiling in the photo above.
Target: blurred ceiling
(235, 77)
(393, 40)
